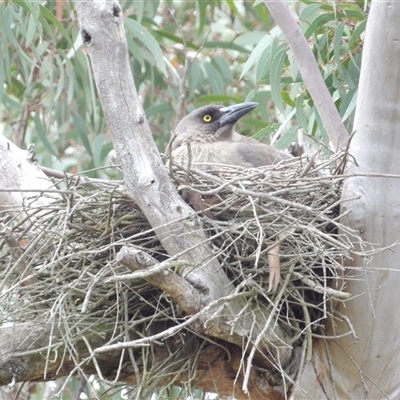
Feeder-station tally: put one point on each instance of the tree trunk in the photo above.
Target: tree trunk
(369, 366)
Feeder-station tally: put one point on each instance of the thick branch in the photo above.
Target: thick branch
(217, 368)
(178, 288)
(21, 181)
(176, 225)
(309, 70)
(145, 176)
(25, 354)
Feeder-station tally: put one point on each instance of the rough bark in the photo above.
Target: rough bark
(218, 368)
(21, 359)
(369, 366)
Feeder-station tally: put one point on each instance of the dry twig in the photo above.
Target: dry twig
(76, 282)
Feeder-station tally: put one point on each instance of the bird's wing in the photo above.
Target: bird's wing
(259, 154)
(237, 137)
(256, 153)
(245, 152)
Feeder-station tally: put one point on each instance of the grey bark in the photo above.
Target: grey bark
(21, 181)
(309, 70)
(368, 367)
(175, 223)
(26, 354)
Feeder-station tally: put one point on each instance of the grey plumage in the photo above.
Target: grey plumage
(208, 132)
(212, 139)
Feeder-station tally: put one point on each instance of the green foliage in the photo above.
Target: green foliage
(333, 31)
(184, 55)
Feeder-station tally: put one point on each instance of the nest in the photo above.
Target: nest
(65, 258)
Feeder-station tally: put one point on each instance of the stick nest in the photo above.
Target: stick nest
(55, 269)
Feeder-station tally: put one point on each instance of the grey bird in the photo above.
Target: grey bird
(208, 134)
(209, 131)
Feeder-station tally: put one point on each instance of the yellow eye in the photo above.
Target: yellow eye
(207, 118)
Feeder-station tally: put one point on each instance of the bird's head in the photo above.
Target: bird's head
(210, 123)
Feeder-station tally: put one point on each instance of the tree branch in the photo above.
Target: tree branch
(179, 289)
(21, 181)
(309, 70)
(177, 226)
(216, 366)
(145, 176)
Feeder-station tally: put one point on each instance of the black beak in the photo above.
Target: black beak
(232, 114)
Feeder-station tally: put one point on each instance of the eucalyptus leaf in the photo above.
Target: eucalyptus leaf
(143, 35)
